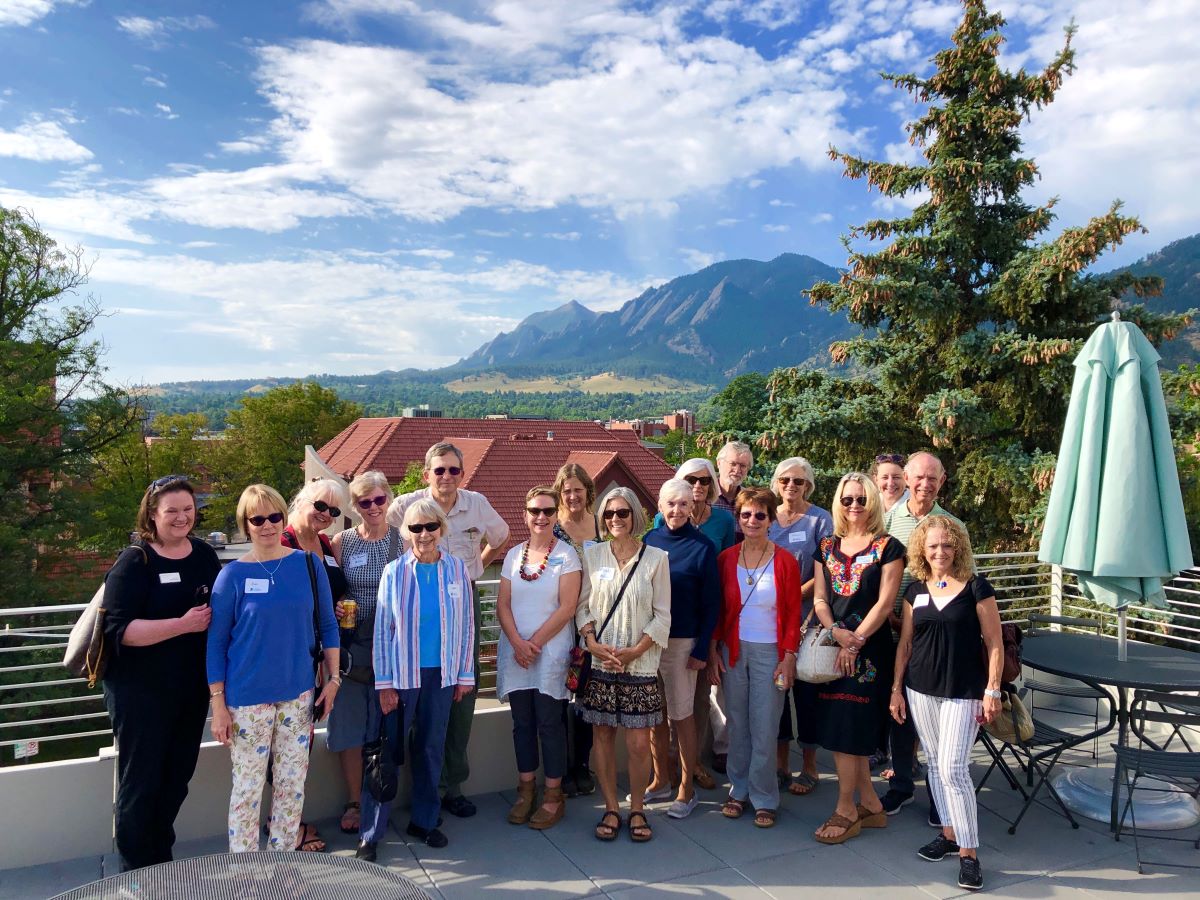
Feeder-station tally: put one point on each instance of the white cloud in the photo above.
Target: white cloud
(776, 229)
(151, 81)
(777, 202)
(85, 213)
(42, 141)
(245, 145)
(770, 14)
(563, 235)
(699, 259)
(164, 111)
(727, 222)
(821, 218)
(26, 12)
(156, 32)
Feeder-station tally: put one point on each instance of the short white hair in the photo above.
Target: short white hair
(795, 462)
(698, 465)
(674, 489)
(313, 490)
(424, 509)
(638, 524)
(735, 448)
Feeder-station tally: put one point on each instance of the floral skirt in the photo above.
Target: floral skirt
(621, 700)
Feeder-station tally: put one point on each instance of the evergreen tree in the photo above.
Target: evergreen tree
(970, 324)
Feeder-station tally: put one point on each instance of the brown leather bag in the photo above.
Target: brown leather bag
(1011, 637)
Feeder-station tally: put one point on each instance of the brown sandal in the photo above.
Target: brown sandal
(872, 819)
(639, 834)
(733, 809)
(765, 818)
(606, 832)
(837, 820)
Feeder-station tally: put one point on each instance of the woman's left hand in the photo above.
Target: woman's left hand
(461, 690)
(787, 670)
(626, 655)
(846, 661)
(328, 695)
(991, 708)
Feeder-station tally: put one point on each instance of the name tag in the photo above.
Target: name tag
(865, 560)
(169, 578)
(605, 573)
(557, 560)
(329, 560)
(798, 537)
(257, 585)
(587, 544)
(455, 591)
(920, 600)
(358, 560)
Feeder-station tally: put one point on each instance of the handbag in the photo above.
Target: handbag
(1010, 661)
(816, 661)
(381, 764)
(318, 652)
(579, 664)
(87, 654)
(1014, 725)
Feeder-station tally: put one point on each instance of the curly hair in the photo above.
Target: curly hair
(964, 559)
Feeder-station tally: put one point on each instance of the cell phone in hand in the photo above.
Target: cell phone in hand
(200, 598)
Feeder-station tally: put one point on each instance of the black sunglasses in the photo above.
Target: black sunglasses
(548, 511)
(619, 513)
(159, 483)
(785, 481)
(442, 470)
(746, 515)
(850, 501)
(259, 521)
(705, 480)
(372, 501)
(418, 527)
(321, 506)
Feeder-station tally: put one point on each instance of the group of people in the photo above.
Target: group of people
(692, 625)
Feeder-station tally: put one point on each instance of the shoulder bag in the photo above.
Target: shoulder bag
(381, 762)
(1013, 725)
(87, 653)
(318, 652)
(579, 668)
(816, 662)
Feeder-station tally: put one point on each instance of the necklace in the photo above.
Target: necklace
(751, 575)
(542, 568)
(944, 583)
(271, 572)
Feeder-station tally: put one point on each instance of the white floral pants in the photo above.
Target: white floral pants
(260, 731)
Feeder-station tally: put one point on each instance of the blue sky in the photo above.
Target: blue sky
(355, 185)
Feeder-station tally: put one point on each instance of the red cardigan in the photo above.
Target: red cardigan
(787, 602)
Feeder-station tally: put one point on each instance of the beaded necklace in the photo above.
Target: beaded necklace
(540, 569)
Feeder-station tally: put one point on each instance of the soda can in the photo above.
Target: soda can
(349, 612)
(780, 682)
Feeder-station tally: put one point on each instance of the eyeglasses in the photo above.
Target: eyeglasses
(746, 515)
(619, 513)
(442, 470)
(322, 507)
(850, 501)
(896, 459)
(418, 527)
(705, 480)
(548, 511)
(160, 483)
(799, 482)
(259, 521)
(372, 501)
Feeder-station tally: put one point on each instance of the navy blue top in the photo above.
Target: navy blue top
(695, 583)
(718, 528)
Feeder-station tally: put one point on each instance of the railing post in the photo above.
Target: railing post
(1056, 592)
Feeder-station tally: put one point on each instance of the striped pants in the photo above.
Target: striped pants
(947, 729)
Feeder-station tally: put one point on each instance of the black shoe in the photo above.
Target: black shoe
(431, 836)
(935, 820)
(938, 849)
(970, 876)
(584, 781)
(719, 762)
(894, 801)
(570, 787)
(459, 806)
(366, 850)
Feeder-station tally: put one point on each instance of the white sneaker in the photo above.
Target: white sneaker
(666, 792)
(681, 809)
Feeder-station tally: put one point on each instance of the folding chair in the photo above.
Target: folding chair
(1077, 690)
(1179, 770)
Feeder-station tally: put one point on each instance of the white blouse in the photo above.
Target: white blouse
(645, 609)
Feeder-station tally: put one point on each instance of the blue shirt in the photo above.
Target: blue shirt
(800, 539)
(695, 583)
(429, 634)
(261, 639)
(718, 528)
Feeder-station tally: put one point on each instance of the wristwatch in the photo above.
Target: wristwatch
(995, 695)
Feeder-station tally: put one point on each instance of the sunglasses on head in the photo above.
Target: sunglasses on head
(548, 511)
(159, 483)
(442, 470)
(746, 515)
(619, 513)
(799, 482)
(259, 521)
(418, 527)
(894, 458)
(322, 507)
(705, 480)
(372, 501)
(861, 500)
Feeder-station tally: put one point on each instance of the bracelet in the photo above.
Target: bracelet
(336, 679)
(897, 690)
(215, 694)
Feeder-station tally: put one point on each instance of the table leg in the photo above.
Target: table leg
(1122, 729)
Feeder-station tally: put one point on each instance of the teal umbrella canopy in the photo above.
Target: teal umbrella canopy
(1116, 512)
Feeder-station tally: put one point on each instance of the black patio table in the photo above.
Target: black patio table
(1092, 659)
(266, 875)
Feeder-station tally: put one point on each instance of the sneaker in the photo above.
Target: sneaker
(366, 850)
(938, 849)
(894, 801)
(970, 876)
(935, 819)
(432, 837)
(459, 805)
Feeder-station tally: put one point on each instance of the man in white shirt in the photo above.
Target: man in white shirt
(477, 534)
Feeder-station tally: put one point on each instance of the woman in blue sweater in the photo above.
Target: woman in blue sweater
(265, 607)
(695, 605)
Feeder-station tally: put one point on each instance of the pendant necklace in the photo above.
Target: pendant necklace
(942, 584)
(271, 572)
(750, 573)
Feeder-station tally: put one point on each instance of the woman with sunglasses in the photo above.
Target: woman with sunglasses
(156, 613)
(715, 524)
(798, 528)
(624, 617)
(260, 669)
(539, 588)
(424, 663)
(861, 565)
(362, 553)
(754, 654)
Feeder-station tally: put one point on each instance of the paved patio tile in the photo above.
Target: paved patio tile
(722, 883)
(827, 873)
(47, 880)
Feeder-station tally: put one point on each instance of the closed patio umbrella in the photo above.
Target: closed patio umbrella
(1116, 516)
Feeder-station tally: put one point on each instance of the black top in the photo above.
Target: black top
(947, 658)
(337, 577)
(695, 583)
(155, 587)
(855, 582)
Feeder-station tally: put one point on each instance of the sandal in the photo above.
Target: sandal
(310, 839)
(765, 818)
(872, 819)
(733, 809)
(837, 820)
(703, 779)
(351, 818)
(803, 784)
(605, 831)
(639, 834)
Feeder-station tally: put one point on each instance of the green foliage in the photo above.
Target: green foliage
(969, 323)
(413, 480)
(678, 447)
(1182, 391)
(740, 403)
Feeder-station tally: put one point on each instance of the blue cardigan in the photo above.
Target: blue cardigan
(695, 583)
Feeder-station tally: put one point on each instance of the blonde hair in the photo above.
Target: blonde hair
(964, 559)
(312, 490)
(795, 462)
(259, 497)
(576, 471)
(874, 504)
(367, 483)
(543, 490)
(424, 508)
(637, 520)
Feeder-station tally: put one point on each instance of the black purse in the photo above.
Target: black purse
(318, 652)
(381, 766)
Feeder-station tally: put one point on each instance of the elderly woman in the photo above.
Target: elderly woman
(424, 661)
(260, 673)
(695, 603)
(361, 553)
(754, 653)
(948, 613)
(156, 613)
(539, 589)
(798, 527)
(862, 564)
(625, 618)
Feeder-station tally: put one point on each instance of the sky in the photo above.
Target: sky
(348, 186)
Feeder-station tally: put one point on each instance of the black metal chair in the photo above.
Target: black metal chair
(1180, 771)
(1077, 690)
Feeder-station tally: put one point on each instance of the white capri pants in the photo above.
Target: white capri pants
(947, 729)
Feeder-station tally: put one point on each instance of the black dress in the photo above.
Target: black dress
(850, 709)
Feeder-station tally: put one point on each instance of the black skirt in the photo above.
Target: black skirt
(621, 700)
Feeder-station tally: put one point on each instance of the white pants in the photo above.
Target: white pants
(947, 729)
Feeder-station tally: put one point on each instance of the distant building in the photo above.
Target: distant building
(653, 429)
(421, 412)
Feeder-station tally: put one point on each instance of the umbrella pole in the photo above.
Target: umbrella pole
(1122, 651)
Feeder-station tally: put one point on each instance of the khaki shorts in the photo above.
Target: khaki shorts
(679, 682)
